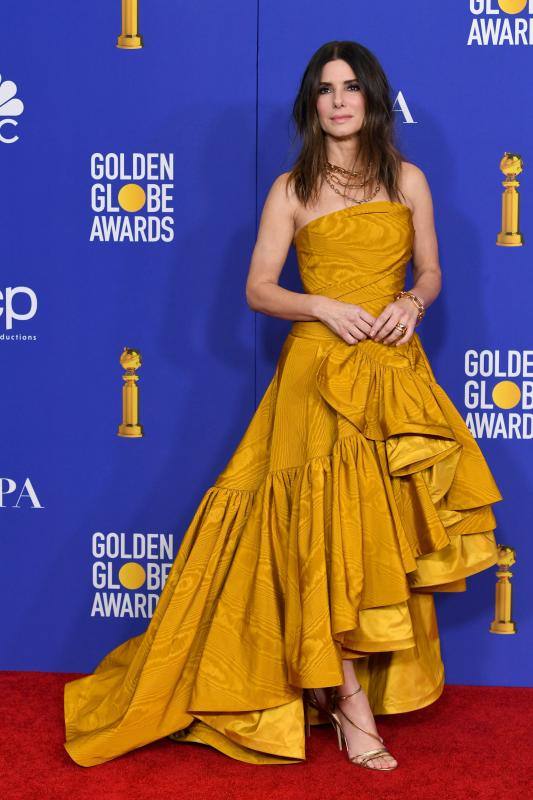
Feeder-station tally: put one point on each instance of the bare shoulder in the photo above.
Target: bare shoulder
(415, 187)
(281, 194)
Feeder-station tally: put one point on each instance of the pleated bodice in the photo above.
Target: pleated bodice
(357, 254)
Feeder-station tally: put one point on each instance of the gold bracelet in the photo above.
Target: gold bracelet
(418, 303)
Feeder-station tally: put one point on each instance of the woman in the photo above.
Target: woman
(303, 588)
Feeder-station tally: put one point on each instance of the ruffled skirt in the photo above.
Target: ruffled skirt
(355, 493)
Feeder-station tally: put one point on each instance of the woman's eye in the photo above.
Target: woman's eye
(323, 89)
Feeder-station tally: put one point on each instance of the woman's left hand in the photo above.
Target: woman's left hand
(383, 330)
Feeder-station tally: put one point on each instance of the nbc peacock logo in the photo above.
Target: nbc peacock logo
(501, 22)
(10, 107)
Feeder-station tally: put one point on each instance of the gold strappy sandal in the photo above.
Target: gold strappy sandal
(311, 699)
(361, 758)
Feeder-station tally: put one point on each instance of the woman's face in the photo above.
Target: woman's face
(340, 103)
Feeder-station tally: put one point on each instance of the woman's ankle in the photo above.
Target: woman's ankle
(347, 690)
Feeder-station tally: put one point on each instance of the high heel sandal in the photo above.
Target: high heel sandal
(361, 758)
(310, 699)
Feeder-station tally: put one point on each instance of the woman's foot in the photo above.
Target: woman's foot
(357, 708)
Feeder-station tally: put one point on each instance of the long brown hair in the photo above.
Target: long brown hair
(376, 137)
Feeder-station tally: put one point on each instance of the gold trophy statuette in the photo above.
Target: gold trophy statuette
(130, 38)
(502, 622)
(511, 165)
(131, 360)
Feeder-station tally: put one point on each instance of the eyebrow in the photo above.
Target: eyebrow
(327, 83)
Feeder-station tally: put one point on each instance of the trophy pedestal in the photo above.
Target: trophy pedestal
(130, 41)
(502, 627)
(130, 430)
(510, 239)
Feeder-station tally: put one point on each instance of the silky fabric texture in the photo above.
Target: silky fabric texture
(355, 493)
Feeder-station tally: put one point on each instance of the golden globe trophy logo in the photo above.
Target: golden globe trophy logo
(499, 393)
(501, 22)
(129, 572)
(131, 197)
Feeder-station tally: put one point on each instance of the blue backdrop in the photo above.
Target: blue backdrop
(200, 119)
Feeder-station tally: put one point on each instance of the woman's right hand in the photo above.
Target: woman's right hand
(349, 321)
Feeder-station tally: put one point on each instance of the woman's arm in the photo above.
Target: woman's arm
(274, 237)
(426, 267)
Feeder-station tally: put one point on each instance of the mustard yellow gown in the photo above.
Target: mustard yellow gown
(355, 493)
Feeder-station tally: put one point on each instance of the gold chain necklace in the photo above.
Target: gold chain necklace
(336, 168)
(332, 178)
(333, 171)
(353, 199)
(336, 179)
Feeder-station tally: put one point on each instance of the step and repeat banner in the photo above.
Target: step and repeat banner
(136, 152)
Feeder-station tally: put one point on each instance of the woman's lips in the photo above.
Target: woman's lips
(340, 119)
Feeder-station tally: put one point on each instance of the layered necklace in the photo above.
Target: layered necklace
(338, 176)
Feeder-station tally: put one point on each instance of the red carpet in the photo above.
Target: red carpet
(472, 742)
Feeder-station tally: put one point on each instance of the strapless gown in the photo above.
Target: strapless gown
(355, 493)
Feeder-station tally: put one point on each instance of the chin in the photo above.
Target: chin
(342, 134)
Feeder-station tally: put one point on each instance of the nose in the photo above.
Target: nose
(337, 98)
